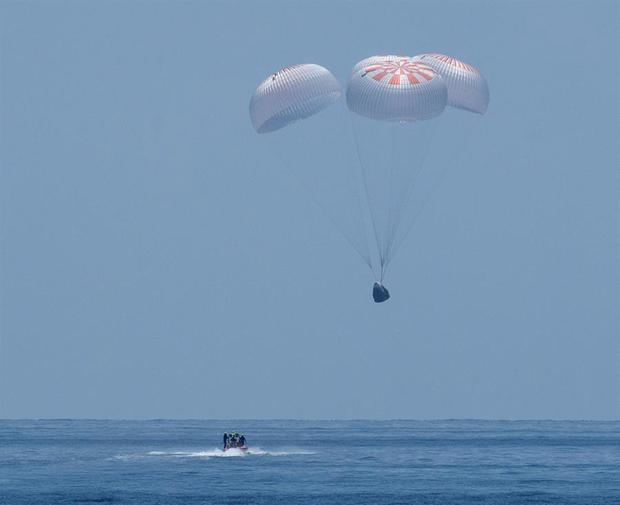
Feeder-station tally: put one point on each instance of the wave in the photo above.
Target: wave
(215, 453)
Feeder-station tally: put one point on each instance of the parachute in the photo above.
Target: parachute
(394, 102)
(290, 94)
(467, 87)
(392, 88)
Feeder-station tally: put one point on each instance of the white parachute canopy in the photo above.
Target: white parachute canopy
(467, 87)
(290, 94)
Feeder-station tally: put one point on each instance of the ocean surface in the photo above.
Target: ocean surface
(310, 462)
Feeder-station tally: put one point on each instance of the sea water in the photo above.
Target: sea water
(310, 462)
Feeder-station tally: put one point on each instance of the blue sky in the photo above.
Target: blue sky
(158, 261)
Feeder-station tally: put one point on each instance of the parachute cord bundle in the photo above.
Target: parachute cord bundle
(367, 195)
(410, 190)
(439, 168)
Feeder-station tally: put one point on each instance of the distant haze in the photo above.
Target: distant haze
(155, 262)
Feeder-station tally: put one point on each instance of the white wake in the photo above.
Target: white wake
(217, 453)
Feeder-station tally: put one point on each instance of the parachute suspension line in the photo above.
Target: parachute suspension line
(365, 258)
(358, 201)
(393, 199)
(395, 243)
(366, 190)
(362, 249)
(337, 226)
(443, 169)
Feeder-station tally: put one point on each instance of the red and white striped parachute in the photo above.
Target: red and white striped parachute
(395, 88)
(467, 87)
(291, 94)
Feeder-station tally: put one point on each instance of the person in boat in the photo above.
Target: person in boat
(242, 440)
(225, 441)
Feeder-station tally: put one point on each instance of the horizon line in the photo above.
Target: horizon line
(266, 419)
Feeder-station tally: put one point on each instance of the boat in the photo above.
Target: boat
(235, 441)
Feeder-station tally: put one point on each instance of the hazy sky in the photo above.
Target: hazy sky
(156, 262)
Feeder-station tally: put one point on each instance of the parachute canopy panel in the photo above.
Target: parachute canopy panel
(467, 87)
(290, 94)
(395, 88)
(372, 60)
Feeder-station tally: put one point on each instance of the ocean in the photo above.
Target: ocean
(169, 462)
